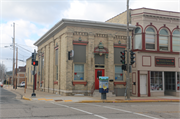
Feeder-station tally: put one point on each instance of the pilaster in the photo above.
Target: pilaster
(110, 64)
(69, 66)
(90, 61)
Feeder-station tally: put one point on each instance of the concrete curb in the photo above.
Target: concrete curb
(26, 98)
(125, 101)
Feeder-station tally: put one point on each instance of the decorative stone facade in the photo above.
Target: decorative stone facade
(62, 37)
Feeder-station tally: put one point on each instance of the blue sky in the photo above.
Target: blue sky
(33, 18)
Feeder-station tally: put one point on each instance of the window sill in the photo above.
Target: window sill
(79, 82)
(117, 83)
(55, 82)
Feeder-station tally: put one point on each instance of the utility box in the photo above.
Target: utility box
(103, 84)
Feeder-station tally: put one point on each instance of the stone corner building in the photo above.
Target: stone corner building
(96, 47)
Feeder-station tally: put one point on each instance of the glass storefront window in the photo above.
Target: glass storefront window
(79, 72)
(118, 73)
(178, 79)
(156, 81)
(169, 78)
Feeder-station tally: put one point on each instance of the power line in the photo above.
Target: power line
(27, 45)
(24, 48)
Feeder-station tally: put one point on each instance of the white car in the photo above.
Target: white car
(22, 84)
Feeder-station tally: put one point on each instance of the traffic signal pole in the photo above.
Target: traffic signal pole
(34, 94)
(127, 78)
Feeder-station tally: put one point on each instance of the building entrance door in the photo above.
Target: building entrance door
(143, 84)
(98, 72)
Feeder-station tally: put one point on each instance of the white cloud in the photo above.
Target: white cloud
(41, 11)
(94, 10)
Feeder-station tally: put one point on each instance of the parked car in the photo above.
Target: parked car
(22, 84)
(1, 84)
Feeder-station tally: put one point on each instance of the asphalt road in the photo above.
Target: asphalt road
(13, 107)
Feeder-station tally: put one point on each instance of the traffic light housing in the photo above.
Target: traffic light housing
(132, 57)
(32, 58)
(122, 57)
(35, 63)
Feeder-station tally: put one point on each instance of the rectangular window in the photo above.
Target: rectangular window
(118, 73)
(176, 44)
(156, 81)
(163, 43)
(150, 41)
(99, 59)
(56, 64)
(79, 53)
(117, 55)
(178, 79)
(138, 42)
(79, 72)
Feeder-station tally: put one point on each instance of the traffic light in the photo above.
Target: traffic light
(124, 67)
(35, 63)
(132, 57)
(32, 58)
(122, 57)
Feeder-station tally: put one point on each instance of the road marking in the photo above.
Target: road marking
(122, 110)
(80, 110)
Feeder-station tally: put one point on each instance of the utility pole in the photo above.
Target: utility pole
(16, 65)
(13, 54)
(127, 78)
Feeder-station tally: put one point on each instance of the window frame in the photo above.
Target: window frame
(136, 34)
(152, 34)
(162, 90)
(168, 39)
(80, 72)
(116, 73)
(175, 36)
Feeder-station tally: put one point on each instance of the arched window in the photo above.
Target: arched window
(150, 38)
(176, 41)
(138, 38)
(163, 39)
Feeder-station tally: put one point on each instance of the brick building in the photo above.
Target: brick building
(156, 43)
(21, 75)
(96, 47)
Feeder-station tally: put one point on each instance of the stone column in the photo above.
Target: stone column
(90, 61)
(54, 65)
(110, 70)
(69, 66)
(44, 68)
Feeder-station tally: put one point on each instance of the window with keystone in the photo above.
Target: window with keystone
(163, 40)
(176, 41)
(138, 38)
(150, 38)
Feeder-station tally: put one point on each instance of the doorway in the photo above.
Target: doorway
(143, 85)
(98, 72)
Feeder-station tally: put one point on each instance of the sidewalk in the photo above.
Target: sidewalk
(44, 96)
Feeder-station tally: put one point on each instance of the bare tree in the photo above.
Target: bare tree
(3, 70)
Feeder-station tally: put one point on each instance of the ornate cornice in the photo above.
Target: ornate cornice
(80, 33)
(120, 37)
(101, 35)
